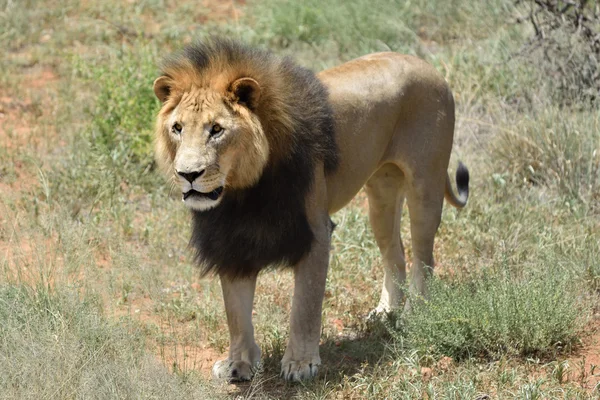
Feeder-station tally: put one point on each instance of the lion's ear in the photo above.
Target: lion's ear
(246, 91)
(162, 88)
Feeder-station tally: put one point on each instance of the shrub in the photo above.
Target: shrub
(114, 150)
(123, 116)
(496, 313)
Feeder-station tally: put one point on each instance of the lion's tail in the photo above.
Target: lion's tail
(462, 185)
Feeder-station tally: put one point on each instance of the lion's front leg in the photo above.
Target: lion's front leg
(244, 354)
(301, 358)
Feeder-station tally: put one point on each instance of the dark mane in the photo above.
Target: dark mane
(264, 225)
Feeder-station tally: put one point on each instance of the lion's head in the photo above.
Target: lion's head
(230, 111)
(210, 137)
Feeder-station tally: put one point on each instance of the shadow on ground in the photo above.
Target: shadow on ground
(341, 357)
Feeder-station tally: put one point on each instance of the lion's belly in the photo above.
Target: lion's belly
(353, 172)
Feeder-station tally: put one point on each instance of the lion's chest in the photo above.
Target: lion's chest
(239, 238)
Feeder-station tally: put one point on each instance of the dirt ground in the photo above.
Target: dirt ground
(21, 116)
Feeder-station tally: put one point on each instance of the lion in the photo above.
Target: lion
(265, 151)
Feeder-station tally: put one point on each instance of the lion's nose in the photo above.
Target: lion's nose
(190, 176)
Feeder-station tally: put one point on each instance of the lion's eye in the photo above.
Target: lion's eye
(216, 129)
(177, 128)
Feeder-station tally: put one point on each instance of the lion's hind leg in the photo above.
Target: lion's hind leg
(425, 197)
(386, 198)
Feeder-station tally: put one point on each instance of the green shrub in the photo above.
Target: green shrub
(497, 313)
(114, 150)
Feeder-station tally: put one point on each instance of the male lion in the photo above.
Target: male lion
(265, 152)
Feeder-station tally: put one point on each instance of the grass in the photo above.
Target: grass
(99, 297)
(562, 152)
(57, 344)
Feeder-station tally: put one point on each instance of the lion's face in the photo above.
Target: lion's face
(215, 143)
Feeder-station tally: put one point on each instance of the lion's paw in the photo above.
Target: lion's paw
(296, 371)
(379, 314)
(233, 371)
(383, 316)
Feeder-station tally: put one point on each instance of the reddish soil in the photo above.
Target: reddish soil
(20, 117)
(19, 130)
(176, 352)
(584, 364)
(221, 11)
(18, 113)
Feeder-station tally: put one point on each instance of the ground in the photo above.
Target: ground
(129, 249)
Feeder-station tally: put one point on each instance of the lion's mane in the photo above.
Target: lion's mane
(266, 224)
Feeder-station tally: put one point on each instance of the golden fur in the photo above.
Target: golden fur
(263, 187)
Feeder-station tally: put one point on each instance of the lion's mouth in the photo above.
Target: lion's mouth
(214, 195)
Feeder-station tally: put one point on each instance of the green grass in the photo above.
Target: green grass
(98, 294)
(346, 30)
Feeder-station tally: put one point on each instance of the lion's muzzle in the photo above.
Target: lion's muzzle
(201, 188)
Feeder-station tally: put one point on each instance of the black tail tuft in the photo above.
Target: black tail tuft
(462, 181)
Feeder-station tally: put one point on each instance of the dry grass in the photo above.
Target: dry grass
(98, 295)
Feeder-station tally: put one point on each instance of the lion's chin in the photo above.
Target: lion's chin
(202, 201)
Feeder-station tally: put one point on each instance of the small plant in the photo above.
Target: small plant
(560, 372)
(532, 390)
